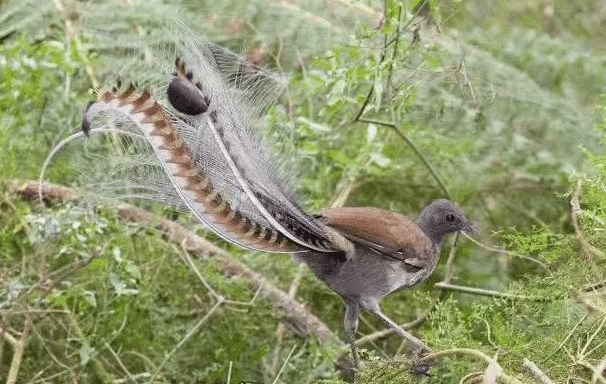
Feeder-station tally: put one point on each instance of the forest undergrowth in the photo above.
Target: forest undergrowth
(389, 104)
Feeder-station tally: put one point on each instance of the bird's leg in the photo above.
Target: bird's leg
(352, 311)
(417, 344)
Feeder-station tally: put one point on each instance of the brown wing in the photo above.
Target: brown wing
(388, 233)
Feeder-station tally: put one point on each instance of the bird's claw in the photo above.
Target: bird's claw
(421, 365)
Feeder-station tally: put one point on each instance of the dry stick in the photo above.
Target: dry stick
(506, 252)
(284, 365)
(120, 363)
(414, 147)
(388, 331)
(229, 372)
(486, 292)
(8, 337)
(588, 250)
(568, 336)
(297, 315)
(504, 378)
(18, 349)
(471, 376)
(536, 372)
(187, 336)
(597, 374)
(593, 286)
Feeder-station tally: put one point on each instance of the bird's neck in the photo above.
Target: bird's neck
(430, 231)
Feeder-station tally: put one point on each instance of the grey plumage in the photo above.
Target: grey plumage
(372, 275)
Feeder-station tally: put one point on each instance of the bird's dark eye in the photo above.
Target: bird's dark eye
(450, 217)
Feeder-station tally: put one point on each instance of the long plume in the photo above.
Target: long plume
(197, 131)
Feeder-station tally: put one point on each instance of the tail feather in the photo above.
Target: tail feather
(197, 190)
(201, 130)
(249, 164)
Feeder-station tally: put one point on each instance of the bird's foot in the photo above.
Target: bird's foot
(421, 365)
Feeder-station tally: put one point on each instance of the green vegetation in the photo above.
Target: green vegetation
(391, 104)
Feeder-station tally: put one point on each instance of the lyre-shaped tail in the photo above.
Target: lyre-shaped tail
(202, 127)
(193, 186)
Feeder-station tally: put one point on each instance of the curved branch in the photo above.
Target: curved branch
(299, 319)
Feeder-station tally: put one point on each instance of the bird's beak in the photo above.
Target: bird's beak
(470, 228)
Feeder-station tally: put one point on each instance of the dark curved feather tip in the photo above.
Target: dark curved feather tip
(85, 123)
(185, 97)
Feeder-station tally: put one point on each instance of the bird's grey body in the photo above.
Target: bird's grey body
(368, 277)
(391, 253)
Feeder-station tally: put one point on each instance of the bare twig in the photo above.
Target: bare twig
(506, 252)
(486, 292)
(504, 378)
(388, 331)
(598, 373)
(229, 372)
(414, 147)
(18, 349)
(536, 372)
(8, 337)
(471, 377)
(566, 338)
(121, 364)
(299, 318)
(284, 365)
(187, 336)
(593, 286)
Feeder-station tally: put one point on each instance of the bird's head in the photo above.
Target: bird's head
(442, 217)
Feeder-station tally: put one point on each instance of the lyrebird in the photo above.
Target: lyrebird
(202, 130)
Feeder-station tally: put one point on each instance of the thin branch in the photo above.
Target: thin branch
(536, 372)
(414, 147)
(18, 349)
(566, 338)
(120, 363)
(475, 353)
(8, 337)
(593, 286)
(364, 104)
(486, 292)
(284, 365)
(229, 372)
(449, 274)
(506, 252)
(187, 336)
(598, 372)
(471, 376)
(388, 331)
(395, 48)
(458, 351)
